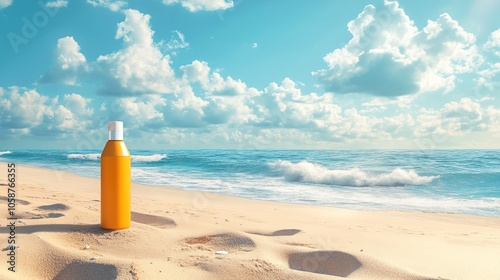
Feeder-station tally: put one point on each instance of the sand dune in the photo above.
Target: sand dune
(175, 235)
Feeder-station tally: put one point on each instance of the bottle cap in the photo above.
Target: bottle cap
(115, 130)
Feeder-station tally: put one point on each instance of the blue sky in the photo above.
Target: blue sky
(250, 74)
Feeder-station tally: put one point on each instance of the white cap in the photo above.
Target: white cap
(115, 130)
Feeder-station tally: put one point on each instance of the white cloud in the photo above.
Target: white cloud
(57, 4)
(493, 42)
(215, 84)
(202, 5)
(255, 45)
(226, 98)
(389, 56)
(140, 67)
(284, 106)
(135, 29)
(489, 78)
(197, 71)
(5, 3)
(454, 118)
(493, 115)
(69, 55)
(113, 5)
(381, 103)
(78, 104)
(178, 41)
(137, 112)
(69, 62)
(202, 100)
(449, 49)
(182, 109)
(21, 110)
(158, 112)
(489, 75)
(29, 112)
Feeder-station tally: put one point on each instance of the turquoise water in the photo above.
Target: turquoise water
(456, 181)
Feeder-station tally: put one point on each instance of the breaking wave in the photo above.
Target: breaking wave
(150, 158)
(307, 172)
(85, 156)
(5, 153)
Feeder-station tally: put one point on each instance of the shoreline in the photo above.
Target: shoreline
(274, 201)
(178, 232)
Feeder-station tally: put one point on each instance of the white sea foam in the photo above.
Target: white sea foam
(5, 153)
(84, 156)
(307, 172)
(136, 158)
(150, 158)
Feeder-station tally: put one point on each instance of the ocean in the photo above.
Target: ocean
(452, 181)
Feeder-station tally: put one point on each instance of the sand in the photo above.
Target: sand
(175, 234)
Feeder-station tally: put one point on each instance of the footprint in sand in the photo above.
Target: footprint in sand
(333, 263)
(50, 215)
(224, 241)
(281, 232)
(20, 201)
(152, 220)
(79, 270)
(54, 207)
(35, 216)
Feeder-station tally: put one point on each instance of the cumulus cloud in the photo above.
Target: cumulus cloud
(139, 113)
(185, 109)
(493, 115)
(388, 56)
(202, 5)
(214, 83)
(5, 3)
(113, 5)
(454, 118)
(160, 113)
(227, 99)
(489, 78)
(25, 111)
(493, 43)
(489, 75)
(398, 61)
(69, 62)
(57, 4)
(140, 67)
(284, 106)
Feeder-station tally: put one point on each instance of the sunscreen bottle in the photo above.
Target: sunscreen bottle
(115, 180)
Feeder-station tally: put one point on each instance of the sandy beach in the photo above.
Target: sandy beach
(175, 234)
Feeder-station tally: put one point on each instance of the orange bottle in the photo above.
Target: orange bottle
(115, 180)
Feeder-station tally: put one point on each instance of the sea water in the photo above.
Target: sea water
(454, 181)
